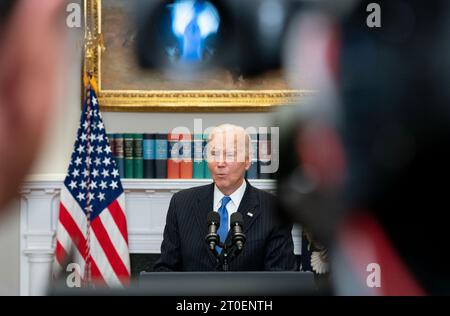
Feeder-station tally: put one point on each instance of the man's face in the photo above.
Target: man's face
(227, 161)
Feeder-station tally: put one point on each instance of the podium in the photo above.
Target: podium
(221, 284)
(227, 283)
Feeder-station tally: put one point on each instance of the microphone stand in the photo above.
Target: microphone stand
(227, 254)
(225, 257)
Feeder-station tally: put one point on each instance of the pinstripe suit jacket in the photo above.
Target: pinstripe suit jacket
(269, 243)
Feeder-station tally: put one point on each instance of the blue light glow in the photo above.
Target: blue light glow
(192, 22)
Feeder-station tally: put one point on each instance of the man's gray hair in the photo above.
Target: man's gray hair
(236, 135)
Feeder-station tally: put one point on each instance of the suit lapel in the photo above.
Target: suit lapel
(249, 208)
(204, 206)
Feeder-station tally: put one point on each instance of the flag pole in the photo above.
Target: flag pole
(87, 271)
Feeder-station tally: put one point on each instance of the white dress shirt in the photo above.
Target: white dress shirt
(233, 205)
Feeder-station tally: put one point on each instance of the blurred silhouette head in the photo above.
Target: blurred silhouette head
(394, 89)
(386, 142)
(30, 50)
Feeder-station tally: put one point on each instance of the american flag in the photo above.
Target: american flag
(92, 226)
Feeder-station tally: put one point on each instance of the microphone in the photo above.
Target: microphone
(237, 236)
(212, 238)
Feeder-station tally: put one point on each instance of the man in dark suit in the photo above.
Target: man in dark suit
(269, 243)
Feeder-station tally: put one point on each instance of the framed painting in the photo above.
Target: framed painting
(110, 57)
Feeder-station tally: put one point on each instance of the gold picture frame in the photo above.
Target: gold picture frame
(171, 100)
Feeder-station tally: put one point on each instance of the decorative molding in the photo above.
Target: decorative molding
(191, 101)
(54, 182)
(38, 212)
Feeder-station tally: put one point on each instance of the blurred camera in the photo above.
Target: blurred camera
(196, 35)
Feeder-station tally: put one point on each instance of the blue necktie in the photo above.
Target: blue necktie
(223, 229)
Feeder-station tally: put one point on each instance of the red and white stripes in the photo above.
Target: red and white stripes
(110, 261)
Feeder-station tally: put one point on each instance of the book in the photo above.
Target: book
(149, 155)
(128, 141)
(186, 156)
(174, 156)
(119, 154)
(111, 143)
(161, 150)
(252, 172)
(138, 159)
(264, 155)
(198, 168)
(207, 173)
